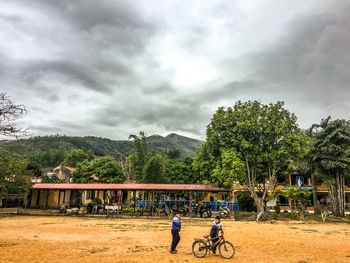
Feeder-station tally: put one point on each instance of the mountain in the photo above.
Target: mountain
(101, 146)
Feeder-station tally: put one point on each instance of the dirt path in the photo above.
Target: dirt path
(69, 239)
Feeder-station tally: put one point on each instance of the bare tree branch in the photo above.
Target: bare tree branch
(9, 113)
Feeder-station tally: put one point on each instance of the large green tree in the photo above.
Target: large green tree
(332, 153)
(250, 143)
(105, 169)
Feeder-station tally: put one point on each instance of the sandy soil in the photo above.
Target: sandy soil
(71, 239)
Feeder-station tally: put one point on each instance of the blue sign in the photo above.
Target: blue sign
(300, 181)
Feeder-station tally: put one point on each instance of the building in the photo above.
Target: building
(47, 195)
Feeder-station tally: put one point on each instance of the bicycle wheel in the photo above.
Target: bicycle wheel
(226, 249)
(199, 249)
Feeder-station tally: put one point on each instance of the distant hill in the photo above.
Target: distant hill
(101, 146)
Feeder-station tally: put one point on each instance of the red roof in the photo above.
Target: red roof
(136, 186)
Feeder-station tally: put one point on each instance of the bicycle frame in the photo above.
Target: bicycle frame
(209, 242)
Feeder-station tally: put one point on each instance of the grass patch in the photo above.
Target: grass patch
(8, 244)
(310, 230)
(98, 250)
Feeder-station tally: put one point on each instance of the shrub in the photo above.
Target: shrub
(128, 210)
(247, 213)
(96, 201)
(274, 215)
(245, 202)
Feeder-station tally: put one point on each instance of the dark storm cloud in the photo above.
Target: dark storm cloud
(111, 68)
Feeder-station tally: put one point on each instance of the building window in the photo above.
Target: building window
(90, 194)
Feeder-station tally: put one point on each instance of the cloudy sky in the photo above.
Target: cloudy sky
(111, 68)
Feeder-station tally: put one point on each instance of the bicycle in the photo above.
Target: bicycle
(200, 247)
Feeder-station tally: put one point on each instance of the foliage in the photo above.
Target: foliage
(257, 141)
(229, 168)
(154, 170)
(35, 167)
(51, 150)
(50, 158)
(128, 210)
(274, 215)
(172, 154)
(76, 156)
(51, 179)
(104, 168)
(297, 198)
(96, 201)
(140, 158)
(14, 176)
(332, 154)
(245, 202)
(181, 172)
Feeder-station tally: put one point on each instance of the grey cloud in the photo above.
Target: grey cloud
(110, 72)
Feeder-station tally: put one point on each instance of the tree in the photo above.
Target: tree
(76, 156)
(140, 158)
(105, 169)
(332, 153)
(35, 167)
(172, 154)
(181, 172)
(154, 170)
(14, 176)
(254, 140)
(9, 112)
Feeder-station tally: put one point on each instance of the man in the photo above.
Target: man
(175, 229)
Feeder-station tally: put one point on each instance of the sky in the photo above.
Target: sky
(114, 68)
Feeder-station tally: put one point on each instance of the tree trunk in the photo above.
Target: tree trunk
(340, 194)
(260, 207)
(314, 193)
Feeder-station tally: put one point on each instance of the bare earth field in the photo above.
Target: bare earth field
(78, 239)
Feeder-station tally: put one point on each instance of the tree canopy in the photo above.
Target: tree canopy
(250, 143)
(14, 176)
(76, 156)
(105, 169)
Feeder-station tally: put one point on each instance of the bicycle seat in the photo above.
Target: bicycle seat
(206, 236)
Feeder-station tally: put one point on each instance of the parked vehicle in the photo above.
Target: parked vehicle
(200, 247)
(205, 212)
(224, 212)
(63, 209)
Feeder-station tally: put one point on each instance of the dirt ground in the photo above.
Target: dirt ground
(78, 239)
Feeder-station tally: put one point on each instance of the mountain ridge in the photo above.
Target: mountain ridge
(101, 146)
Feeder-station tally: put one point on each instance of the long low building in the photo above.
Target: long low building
(48, 195)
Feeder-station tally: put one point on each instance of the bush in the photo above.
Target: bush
(128, 210)
(294, 216)
(247, 214)
(245, 202)
(274, 215)
(96, 201)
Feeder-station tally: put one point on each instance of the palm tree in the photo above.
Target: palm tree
(332, 154)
